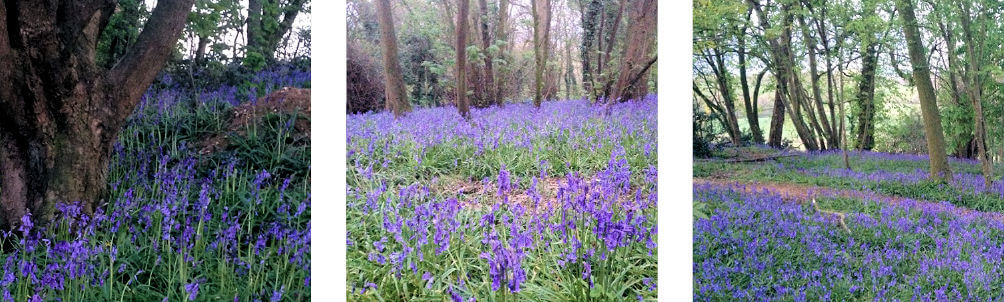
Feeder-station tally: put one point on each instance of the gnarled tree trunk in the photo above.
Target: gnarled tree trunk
(62, 112)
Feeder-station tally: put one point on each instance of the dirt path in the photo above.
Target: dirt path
(799, 193)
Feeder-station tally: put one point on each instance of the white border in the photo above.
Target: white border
(676, 280)
(328, 152)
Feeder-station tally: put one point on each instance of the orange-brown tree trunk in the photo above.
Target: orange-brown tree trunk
(636, 61)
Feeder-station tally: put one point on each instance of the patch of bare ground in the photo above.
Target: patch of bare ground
(800, 194)
(286, 100)
(479, 194)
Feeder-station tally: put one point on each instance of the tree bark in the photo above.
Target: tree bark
(396, 96)
(588, 37)
(541, 38)
(485, 44)
(777, 118)
(751, 111)
(462, 104)
(265, 39)
(866, 98)
(928, 103)
(783, 70)
(641, 32)
(976, 91)
(502, 33)
(810, 46)
(62, 112)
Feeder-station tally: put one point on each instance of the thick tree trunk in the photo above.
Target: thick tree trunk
(62, 113)
(866, 98)
(541, 38)
(641, 32)
(462, 104)
(928, 103)
(396, 96)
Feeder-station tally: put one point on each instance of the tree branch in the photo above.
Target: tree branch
(133, 74)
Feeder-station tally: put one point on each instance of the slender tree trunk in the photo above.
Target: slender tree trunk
(200, 52)
(780, 49)
(588, 37)
(976, 91)
(396, 96)
(823, 122)
(928, 103)
(725, 89)
(751, 111)
(502, 33)
(61, 112)
(485, 43)
(462, 103)
(777, 118)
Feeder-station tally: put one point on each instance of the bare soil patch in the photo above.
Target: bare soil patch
(800, 194)
(286, 100)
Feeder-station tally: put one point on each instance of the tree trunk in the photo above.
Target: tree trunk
(777, 118)
(866, 98)
(588, 37)
(62, 113)
(265, 39)
(787, 77)
(928, 103)
(541, 38)
(823, 123)
(751, 111)
(725, 89)
(641, 32)
(254, 29)
(200, 52)
(502, 33)
(462, 104)
(485, 43)
(396, 97)
(976, 92)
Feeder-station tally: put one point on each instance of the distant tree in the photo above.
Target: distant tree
(62, 112)
(486, 43)
(121, 32)
(925, 89)
(462, 103)
(396, 96)
(265, 28)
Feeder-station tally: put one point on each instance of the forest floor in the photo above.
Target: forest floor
(905, 237)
